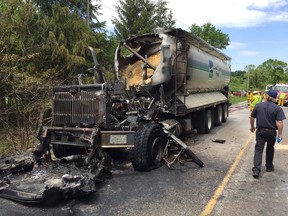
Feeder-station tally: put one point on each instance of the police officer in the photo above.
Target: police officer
(269, 119)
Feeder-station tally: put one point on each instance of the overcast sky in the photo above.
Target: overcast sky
(258, 29)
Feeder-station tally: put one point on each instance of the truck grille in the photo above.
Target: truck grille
(82, 108)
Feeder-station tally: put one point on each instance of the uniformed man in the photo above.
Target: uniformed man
(268, 128)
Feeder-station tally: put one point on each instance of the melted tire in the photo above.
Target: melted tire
(147, 153)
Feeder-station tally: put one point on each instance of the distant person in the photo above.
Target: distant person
(248, 96)
(255, 99)
(265, 96)
(261, 95)
(281, 99)
(269, 119)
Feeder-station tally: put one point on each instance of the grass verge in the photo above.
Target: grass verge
(235, 99)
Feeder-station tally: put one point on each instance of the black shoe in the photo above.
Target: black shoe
(269, 169)
(255, 173)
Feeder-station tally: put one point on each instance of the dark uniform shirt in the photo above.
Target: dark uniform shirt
(266, 114)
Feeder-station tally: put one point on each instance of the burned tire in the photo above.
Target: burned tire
(218, 115)
(192, 156)
(147, 153)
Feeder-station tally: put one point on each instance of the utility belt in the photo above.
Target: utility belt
(268, 129)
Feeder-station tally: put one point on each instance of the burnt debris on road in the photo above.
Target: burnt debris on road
(24, 181)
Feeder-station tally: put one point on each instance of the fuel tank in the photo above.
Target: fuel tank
(174, 58)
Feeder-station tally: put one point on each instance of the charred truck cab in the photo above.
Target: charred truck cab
(167, 84)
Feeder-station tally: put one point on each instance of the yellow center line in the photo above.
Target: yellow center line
(212, 202)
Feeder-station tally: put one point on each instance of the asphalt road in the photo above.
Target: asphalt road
(224, 186)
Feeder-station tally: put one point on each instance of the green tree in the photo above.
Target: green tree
(84, 8)
(138, 17)
(273, 71)
(163, 15)
(37, 52)
(238, 81)
(19, 57)
(211, 34)
(249, 70)
(135, 17)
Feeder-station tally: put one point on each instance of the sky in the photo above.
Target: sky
(258, 29)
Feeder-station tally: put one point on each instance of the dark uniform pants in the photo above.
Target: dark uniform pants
(264, 136)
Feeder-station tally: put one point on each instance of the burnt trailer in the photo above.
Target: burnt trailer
(187, 76)
(167, 84)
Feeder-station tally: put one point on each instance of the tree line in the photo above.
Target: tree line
(252, 78)
(44, 43)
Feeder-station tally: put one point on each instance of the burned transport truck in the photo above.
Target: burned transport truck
(167, 84)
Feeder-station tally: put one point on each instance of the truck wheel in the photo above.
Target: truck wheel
(208, 121)
(204, 122)
(218, 115)
(224, 112)
(147, 153)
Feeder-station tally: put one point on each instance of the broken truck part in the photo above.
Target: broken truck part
(167, 84)
(50, 183)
